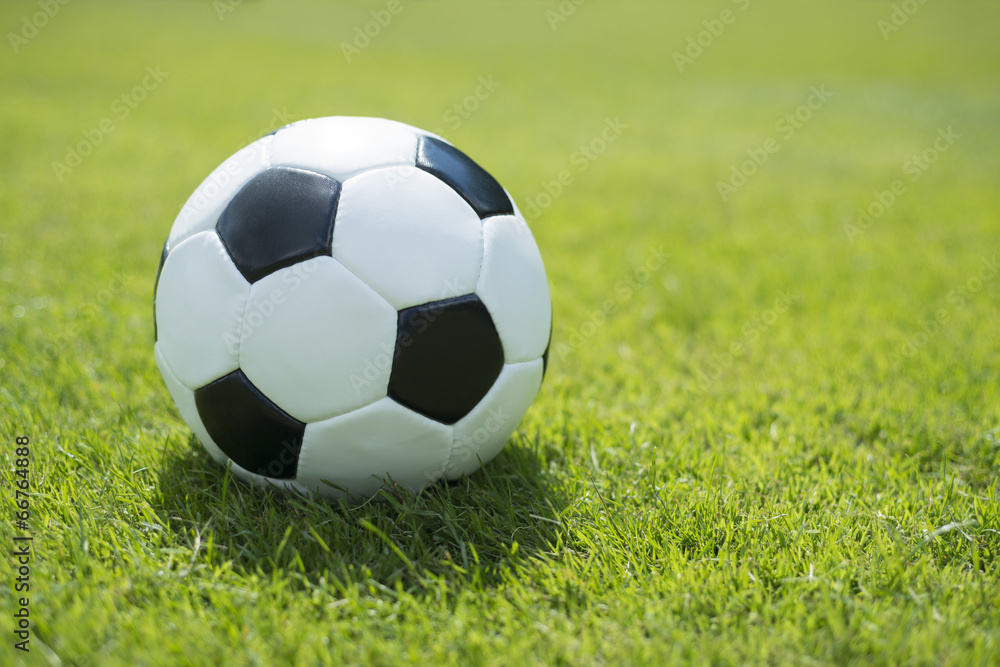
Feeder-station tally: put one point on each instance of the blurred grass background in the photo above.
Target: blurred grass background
(830, 497)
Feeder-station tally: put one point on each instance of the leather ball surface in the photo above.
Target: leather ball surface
(348, 303)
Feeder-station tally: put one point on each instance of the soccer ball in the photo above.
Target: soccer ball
(348, 303)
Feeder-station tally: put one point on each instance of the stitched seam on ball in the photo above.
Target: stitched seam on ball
(451, 452)
(166, 364)
(363, 281)
(341, 261)
(246, 305)
(482, 256)
(239, 330)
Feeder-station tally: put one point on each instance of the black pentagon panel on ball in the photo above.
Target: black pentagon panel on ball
(156, 286)
(448, 354)
(281, 216)
(255, 433)
(464, 175)
(545, 354)
(274, 132)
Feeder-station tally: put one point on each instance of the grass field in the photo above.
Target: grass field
(770, 429)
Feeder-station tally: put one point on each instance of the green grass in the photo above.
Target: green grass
(831, 497)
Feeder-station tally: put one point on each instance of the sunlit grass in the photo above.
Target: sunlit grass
(761, 439)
